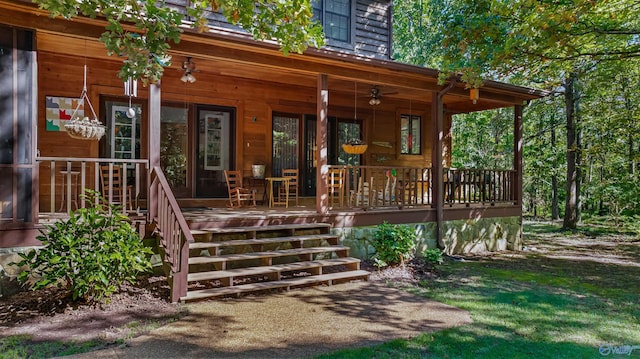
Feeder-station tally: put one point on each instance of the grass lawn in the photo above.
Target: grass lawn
(565, 297)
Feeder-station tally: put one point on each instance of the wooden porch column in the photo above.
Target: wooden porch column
(517, 154)
(437, 194)
(437, 199)
(322, 123)
(154, 144)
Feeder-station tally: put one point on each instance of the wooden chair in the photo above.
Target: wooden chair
(335, 185)
(292, 188)
(113, 186)
(362, 197)
(237, 193)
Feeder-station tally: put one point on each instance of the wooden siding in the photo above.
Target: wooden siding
(371, 28)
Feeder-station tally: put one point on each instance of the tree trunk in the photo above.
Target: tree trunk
(555, 213)
(632, 163)
(628, 106)
(572, 201)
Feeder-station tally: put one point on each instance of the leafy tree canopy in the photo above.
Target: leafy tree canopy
(481, 38)
(140, 31)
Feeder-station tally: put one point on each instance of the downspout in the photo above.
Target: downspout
(437, 113)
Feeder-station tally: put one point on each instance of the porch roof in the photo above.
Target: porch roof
(237, 54)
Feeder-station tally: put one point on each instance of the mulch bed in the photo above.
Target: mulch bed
(51, 314)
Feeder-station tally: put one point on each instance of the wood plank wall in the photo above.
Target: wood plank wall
(60, 74)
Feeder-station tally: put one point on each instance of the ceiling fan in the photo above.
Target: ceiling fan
(375, 95)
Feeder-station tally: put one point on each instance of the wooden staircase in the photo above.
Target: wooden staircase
(240, 260)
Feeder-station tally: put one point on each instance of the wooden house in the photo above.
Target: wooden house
(228, 103)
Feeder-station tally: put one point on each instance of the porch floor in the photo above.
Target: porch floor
(214, 214)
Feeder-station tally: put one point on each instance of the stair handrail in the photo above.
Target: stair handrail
(175, 234)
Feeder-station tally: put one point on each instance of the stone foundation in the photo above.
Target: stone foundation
(459, 237)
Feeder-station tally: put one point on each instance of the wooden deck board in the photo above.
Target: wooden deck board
(272, 254)
(286, 283)
(272, 227)
(244, 242)
(243, 272)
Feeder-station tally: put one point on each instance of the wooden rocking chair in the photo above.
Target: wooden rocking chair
(237, 193)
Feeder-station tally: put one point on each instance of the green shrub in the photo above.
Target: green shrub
(433, 256)
(91, 254)
(394, 243)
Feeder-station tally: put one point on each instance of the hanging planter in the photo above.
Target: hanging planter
(355, 147)
(84, 128)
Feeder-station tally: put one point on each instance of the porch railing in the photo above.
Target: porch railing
(174, 232)
(478, 186)
(378, 186)
(402, 187)
(69, 178)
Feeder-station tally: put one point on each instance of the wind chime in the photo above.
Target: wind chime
(355, 146)
(84, 128)
(131, 90)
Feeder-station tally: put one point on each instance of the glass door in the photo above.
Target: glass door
(286, 129)
(123, 139)
(124, 134)
(174, 148)
(215, 144)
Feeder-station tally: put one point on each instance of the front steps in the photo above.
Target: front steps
(241, 260)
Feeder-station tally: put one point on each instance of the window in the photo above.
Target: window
(410, 134)
(348, 131)
(335, 17)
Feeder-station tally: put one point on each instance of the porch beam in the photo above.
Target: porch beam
(322, 123)
(517, 153)
(153, 125)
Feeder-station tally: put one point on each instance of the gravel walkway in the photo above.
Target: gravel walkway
(296, 324)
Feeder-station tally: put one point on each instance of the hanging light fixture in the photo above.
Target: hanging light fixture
(375, 96)
(189, 67)
(355, 146)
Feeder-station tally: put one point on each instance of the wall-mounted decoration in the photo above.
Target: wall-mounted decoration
(382, 144)
(59, 111)
(216, 134)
